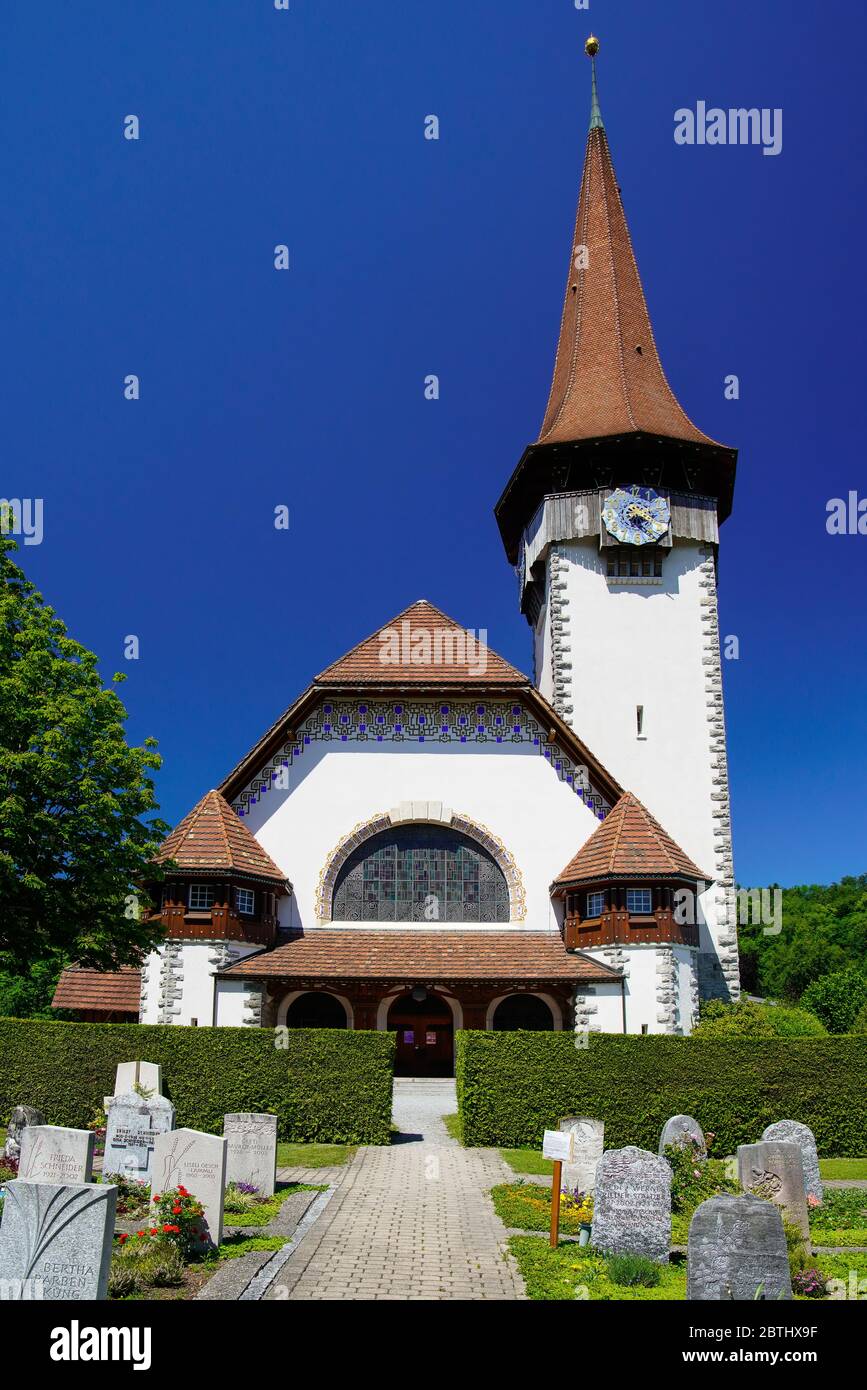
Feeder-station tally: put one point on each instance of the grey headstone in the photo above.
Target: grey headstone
(131, 1129)
(197, 1161)
(681, 1130)
(148, 1075)
(589, 1143)
(774, 1170)
(736, 1246)
(632, 1206)
(22, 1116)
(791, 1132)
(251, 1154)
(55, 1240)
(55, 1155)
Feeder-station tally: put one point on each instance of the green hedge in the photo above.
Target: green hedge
(512, 1086)
(327, 1085)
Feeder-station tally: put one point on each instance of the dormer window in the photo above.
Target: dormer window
(639, 902)
(201, 897)
(245, 901)
(595, 904)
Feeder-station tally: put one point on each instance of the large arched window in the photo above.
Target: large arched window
(420, 873)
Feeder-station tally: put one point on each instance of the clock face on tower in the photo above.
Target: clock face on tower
(636, 515)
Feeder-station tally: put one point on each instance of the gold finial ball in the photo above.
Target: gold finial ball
(591, 47)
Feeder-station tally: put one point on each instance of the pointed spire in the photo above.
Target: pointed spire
(608, 379)
(591, 48)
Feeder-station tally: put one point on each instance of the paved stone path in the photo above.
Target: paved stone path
(409, 1221)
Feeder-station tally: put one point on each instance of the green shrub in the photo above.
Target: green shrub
(694, 1179)
(837, 998)
(627, 1271)
(327, 1084)
(514, 1086)
(747, 1019)
(859, 1023)
(138, 1266)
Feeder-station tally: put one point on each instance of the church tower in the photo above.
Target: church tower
(612, 520)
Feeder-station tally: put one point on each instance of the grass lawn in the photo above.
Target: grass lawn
(570, 1272)
(454, 1127)
(527, 1161)
(313, 1155)
(263, 1212)
(526, 1207)
(843, 1168)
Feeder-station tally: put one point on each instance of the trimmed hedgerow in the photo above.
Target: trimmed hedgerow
(327, 1084)
(513, 1086)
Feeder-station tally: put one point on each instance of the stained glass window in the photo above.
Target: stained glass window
(420, 873)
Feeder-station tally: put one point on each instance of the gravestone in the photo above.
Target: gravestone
(22, 1116)
(55, 1155)
(55, 1240)
(130, 1133)
(683, 1130)
(589, 1142)
(737, 1246)
(774, 1170)
(188, 1158)
(632, 1205)
(148, 1075)
(251, 1150)
(791, 1132)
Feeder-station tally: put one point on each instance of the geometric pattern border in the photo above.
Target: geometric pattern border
(411, 721)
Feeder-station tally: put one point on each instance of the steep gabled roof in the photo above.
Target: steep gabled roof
(211, 838)
(419, 646)
(630, 843)
(424, 680)
(608, 379)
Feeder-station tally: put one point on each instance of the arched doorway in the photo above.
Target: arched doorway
(523, 1011)
(425, 1034)
(316, 1010)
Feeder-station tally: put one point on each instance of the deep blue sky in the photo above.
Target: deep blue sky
(410, 257)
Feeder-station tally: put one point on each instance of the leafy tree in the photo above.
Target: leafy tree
(747, 1019)
(837, 998)
(859, 1024)
(73, 794)
(30, 996)
(824, 929)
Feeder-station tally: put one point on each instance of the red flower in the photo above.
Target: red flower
(141, 1234)
(122, 1237)
(154, 1231)
(176, 1208)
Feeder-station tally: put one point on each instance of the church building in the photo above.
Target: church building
(428, 839)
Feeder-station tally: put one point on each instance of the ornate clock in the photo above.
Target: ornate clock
(636, 515)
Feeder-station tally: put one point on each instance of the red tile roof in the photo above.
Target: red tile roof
(361, 954)
(629, 843)
(114, 991)
(608, 379)
(213, 839)
(420, 645)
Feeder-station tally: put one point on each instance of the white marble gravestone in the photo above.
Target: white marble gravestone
(588, 1145)
(55, 1240)
(197, 1161)
(130, 1134)
(251, 1154)
(791, 1132)
(55, 1155)
(147, 1075)
(632, 1204)
(774, 1170)
(737, 1250)
(680, 1131)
